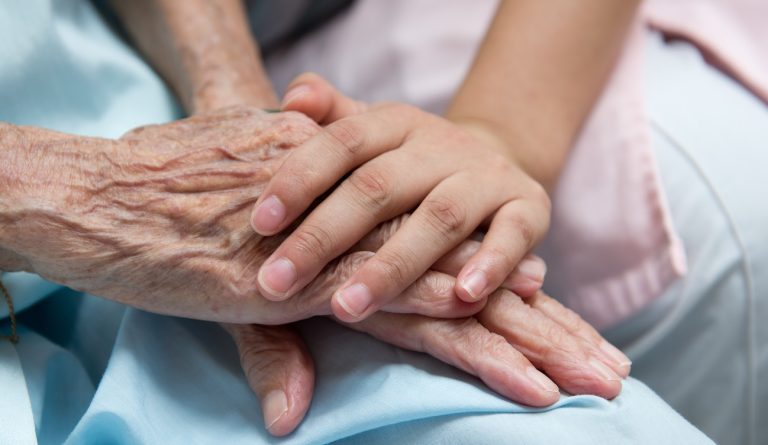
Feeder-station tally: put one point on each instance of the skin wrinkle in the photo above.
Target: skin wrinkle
(130, 203)
(433, 294)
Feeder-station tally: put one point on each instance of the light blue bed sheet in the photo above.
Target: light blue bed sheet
(171, 380)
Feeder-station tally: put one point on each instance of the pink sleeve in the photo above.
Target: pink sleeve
(612, 248)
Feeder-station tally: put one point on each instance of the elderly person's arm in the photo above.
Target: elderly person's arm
(202, 48)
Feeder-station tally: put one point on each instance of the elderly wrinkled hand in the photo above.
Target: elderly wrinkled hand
(158, 219)
(524, 349)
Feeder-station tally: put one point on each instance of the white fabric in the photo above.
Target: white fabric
(17, 426)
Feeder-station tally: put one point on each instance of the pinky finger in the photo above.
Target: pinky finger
(469, 346)
(515, 229)
(525, 280)
(528, 276)
(574, 324)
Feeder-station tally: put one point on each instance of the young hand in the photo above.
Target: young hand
(380, 161)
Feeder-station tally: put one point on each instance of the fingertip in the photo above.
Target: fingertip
(279, 371)
(268, 216)
(528, 386)
(309, 94)
(307, 78)
(596, 378)
(472, 287)
(276, 277)
(607, 389)
(621, 364)
(274, 408)
(294, 96)
(524, 287)
(533, 268)
(528, 277)
(352, 303)
(624, 369)
(547, 391)
(283, 410)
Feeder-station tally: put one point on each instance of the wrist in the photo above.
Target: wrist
(203, 49)
(44, 175)
(13, 142)
(229, 84)
(534, 157)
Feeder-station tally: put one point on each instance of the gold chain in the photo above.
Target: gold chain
(14, 337)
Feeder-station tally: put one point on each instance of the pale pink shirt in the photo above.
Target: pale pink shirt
(612, 248)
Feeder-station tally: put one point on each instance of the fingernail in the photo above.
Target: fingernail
(355, 299)
(475, 283)
(603, 371)
(615, 354)
(294, 93)
(533, 268)
(278, 276)
(274, 407)
(541, 380)
(268, 215)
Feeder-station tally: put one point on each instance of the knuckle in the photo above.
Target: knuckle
(255, 344)
(406, 110)
(469, 340)
(403, 112)
(454, 334)
(459, 331)
(557, 344)
(349, 264)
(242, 290)
(260, 360)
(501, 166)
(398, 107)
(305, 304)
(255, 363)
(541, 197)
(294, 128)
(569, 319)
(394, 266)
(371, 187)
(476, 338)
(490, 342)
(293, 181)
(445, 215)
(346, 135)
(523, 229)
(435, 286)
(433, 293)
(502, 310)
(313, 241)
(503, 256)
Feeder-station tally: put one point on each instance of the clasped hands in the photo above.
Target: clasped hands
(163, 219)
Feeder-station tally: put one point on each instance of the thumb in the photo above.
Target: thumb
(317, 98)
(279, 370)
